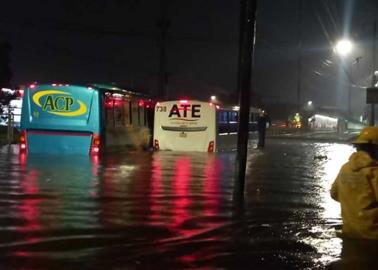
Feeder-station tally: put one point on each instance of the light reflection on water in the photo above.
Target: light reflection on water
(337, 155)
(171, 210)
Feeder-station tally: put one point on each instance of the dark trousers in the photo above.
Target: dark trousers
(261, 142)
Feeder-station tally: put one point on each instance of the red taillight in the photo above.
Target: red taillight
(96, 143)
(183, 101)
(156, 144)
(22, 137)
(210, 149)
(20, 93)
(23, 145)
(117, 103)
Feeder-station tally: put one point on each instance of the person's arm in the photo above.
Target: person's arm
(374, 182)
(335, 189)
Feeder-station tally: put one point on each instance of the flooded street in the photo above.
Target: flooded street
(165, 210)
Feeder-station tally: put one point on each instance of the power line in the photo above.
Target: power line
(90, 29)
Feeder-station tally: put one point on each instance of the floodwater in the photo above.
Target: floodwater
(166, 210)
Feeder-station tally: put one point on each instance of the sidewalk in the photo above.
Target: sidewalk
(292, 133)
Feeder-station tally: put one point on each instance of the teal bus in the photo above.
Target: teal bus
(83, 119)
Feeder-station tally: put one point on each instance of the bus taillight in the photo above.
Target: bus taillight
(210, 149)
(20, 93)
(96, 142)
(156, 144)
(23, 145)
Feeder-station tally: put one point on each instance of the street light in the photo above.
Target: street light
(343, 47)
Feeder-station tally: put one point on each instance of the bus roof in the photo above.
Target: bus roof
(115, 89)
(96, 86)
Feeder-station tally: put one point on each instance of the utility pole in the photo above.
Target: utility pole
(246, 47)
(299, 58)
(350, 87)
(374, 78)
(163, 25)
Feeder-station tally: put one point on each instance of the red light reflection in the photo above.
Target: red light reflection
(111, 102)
(181, 184)
(29, 207)
(156, 182)
(212, 186)
(23, 159)
(95, 164)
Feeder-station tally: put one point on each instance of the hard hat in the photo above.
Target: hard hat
(367, 135)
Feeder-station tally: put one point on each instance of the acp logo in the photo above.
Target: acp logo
(58, 103)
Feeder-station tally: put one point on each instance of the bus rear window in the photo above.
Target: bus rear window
(222, 117)
(234, 116)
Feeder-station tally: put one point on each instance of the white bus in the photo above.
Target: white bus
(15, 106)
(192, 125)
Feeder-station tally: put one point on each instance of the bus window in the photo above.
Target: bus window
(234, 117)
(135, 112)
(118, 113)
(140, 111)
(145, 117)
(233, 122)
(109, 115)
(126, 112)
(222, 117)
(223, 122)
(130, 112)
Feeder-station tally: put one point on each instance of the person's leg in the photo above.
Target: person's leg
(262, 139)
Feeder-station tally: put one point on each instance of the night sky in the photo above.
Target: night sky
(117, 42)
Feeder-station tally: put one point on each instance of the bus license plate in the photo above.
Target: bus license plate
(183, 135)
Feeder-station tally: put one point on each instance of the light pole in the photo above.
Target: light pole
(374, 77)
(343, 48)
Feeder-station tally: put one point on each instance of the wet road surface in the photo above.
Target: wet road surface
(165, 210)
